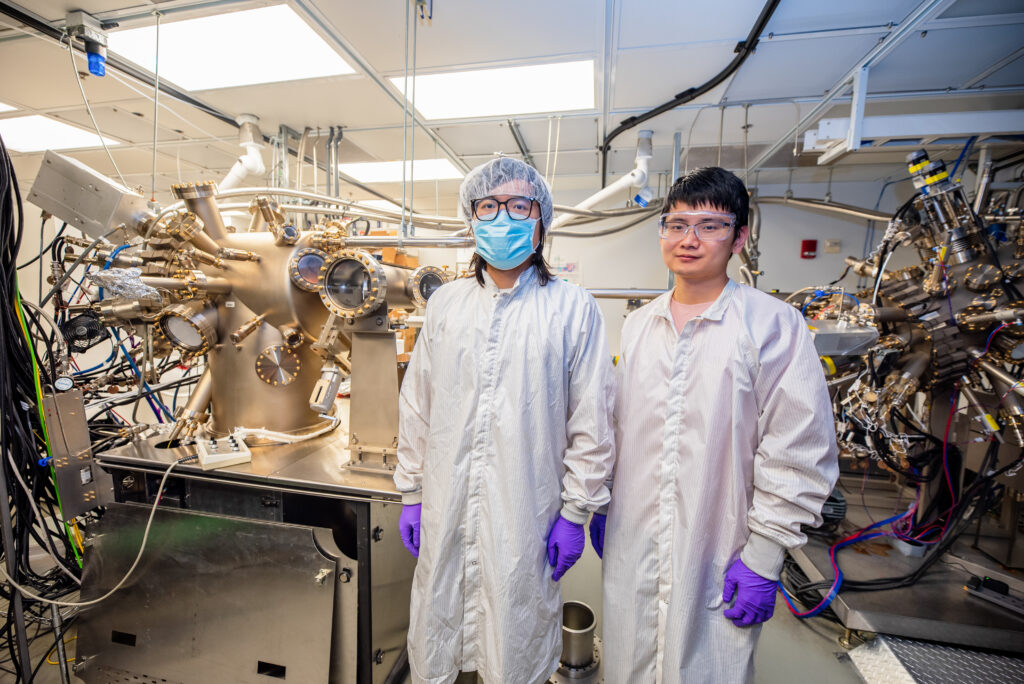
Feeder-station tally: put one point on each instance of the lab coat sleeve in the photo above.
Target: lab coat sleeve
(590, 454)
(795, 465)
(620, 375)
(413, 419)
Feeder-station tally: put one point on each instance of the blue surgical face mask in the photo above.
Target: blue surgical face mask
(505, 242)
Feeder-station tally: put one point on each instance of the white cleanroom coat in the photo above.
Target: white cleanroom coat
(505, 420)
(726, 446)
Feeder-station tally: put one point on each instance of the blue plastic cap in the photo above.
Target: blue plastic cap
(97, 64)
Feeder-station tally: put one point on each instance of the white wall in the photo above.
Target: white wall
(632, 259)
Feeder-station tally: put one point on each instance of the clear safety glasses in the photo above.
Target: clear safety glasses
(487, 208)
(709, 226)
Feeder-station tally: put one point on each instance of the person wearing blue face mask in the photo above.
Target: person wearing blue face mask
(505, 443)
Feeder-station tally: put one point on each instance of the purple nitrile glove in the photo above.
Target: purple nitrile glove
(409, 527)
(597, 523)
(565, 546)
(755, 595)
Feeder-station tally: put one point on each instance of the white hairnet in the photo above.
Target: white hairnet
(521, 179)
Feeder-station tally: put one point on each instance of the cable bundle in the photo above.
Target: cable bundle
(31, 491)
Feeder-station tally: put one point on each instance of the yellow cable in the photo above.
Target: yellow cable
(67, 660)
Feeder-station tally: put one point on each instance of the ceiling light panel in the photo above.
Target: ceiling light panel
(36, 133)
(508, 91)
(226, 50)
(391, 172)
(6, 107)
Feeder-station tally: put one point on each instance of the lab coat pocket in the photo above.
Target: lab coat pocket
(716, 585)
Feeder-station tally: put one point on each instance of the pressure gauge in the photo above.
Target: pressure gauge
(424, 281)
(188, 328)
(304, 268)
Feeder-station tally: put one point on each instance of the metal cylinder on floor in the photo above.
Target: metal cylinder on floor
(577, 634)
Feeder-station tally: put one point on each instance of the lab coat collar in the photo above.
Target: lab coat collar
(526, 278)
(712, 313)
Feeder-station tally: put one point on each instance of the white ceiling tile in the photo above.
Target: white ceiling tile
(667, 22)
(467, 32)
(801, 16)
(130, 128)
(798, 68)
(975, 8)
(1010, 75)
(353, 101)
(386, 144)
(937, 59)
(44, 77)
(647, 78)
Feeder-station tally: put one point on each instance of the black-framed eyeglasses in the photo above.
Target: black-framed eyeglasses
(487, 208)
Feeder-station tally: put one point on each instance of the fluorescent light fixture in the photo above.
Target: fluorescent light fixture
(504, 92)
(36, 133)
(261, 45)
(391, 172)
(6, 107)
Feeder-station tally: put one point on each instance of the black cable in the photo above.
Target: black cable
(26, 344)
(47, 248)
(743, 50)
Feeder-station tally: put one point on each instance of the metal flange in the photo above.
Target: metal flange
(423, 281)
(341, 275)
(176, 323)
(278, 365)
(305, 267)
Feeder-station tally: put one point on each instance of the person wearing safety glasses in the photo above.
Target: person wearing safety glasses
(505, 443)
(725, 447)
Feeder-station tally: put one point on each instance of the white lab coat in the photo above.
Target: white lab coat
(726, 446)
(505, 420)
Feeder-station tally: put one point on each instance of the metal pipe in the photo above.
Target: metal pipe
(395, 241)
(605, 213)
(328, 150)
(677, 150)
(334, 163)
(1001, 316)
(246, 329)
(827, 207)
(891, 314)
(984, 178)
(205, 207)
(62, 657)
(611, 293)
(915, 364)
(211, 285)
(998, 372)
(439, 222)
(196, 404)
(301, 154)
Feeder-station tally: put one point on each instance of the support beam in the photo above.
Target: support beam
(1009, 59)
(921, 14)
(517, 135)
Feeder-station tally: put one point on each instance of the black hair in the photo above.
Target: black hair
(544, 275)
(711, 186)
